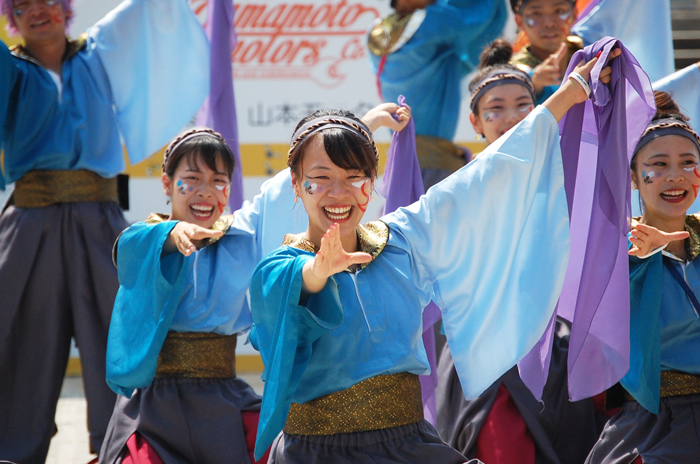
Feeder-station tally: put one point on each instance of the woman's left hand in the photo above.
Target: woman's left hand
(646, 239)
(584, 70)
(382, 115)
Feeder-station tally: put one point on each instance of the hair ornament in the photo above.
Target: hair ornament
(327, 122)
(501, 76)
(667, 126)
(187, 135)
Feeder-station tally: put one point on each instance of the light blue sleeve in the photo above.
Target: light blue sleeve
(632, 21)
(493, 241)
(8, 76)
(272, 214)
(156, 57)
(684, 86)
(284, 331)
(144, 307)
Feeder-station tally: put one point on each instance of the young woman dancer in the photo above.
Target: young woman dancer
(337, 310)
(188, 405)
(660, 418)
(181, 302)
(506, 424)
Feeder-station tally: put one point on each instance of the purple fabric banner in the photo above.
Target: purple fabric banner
(402, 185)
(219, 109)
(597, 142)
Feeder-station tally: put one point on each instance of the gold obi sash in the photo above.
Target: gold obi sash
(197, 355)
(437, 153)
(37, 189)
(675, 383)
(377, 403)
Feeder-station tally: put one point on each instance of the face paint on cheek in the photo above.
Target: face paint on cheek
(183, 187)
(525, 109)
(648, 176)
(695, 171)
(363, 185)
(55, 11)
(310, 188)
(530, 21)
(488, 116)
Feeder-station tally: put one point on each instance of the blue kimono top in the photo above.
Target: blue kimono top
(429, 67)
(665, 327)
(203, 292)
(489, 245)
(126, 77)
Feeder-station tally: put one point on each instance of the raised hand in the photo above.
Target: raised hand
(646, 239)
(330, 259)
(382, 115)
(549, 71)
(186, 238)
(572, 92)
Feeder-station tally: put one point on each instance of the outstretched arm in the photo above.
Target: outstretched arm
(187, 238)
(330, 259)
(647, 239)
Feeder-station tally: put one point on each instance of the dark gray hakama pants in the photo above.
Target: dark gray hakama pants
(671, 437)
(563, 432)
(57, 281)
(185, 421)
(416, 443)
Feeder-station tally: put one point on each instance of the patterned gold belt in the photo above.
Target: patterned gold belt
(675, 383)
(37, 189)
(377, 403)
(197, 355)
(437, 153)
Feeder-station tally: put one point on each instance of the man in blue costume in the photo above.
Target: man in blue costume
(422, 51)
(65, 105)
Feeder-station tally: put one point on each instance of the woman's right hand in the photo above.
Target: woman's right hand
(330, 259)
(646, 239)
(186, 238)
(383, 115)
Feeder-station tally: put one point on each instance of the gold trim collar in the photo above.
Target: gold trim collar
(371, 237)
(692, 243)
(72, 48)
(222, 224)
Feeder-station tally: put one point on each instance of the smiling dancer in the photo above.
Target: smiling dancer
(63, 106)
(660, 420)
(337, 310)
(183, 278)
(506, 424)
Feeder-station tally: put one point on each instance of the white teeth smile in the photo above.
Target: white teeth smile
(200, 210)
(338, 213)
(673, 194)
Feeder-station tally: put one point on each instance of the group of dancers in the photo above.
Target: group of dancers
(333, 304)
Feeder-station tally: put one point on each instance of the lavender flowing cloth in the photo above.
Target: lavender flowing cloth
(597, 142)
(219, 109)
(402, 185)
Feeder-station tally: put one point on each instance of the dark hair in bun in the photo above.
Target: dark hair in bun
(496, 55)
(666, 107)
(499, 52)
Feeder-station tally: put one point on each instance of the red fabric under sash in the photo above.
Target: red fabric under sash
(504, 438)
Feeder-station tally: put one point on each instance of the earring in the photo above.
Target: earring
(634, 186)
(167, 198)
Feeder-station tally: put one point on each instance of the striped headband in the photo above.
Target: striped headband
(501, 76)
(328, 122)
(190, 134)
(667, 126)
(520, 4)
